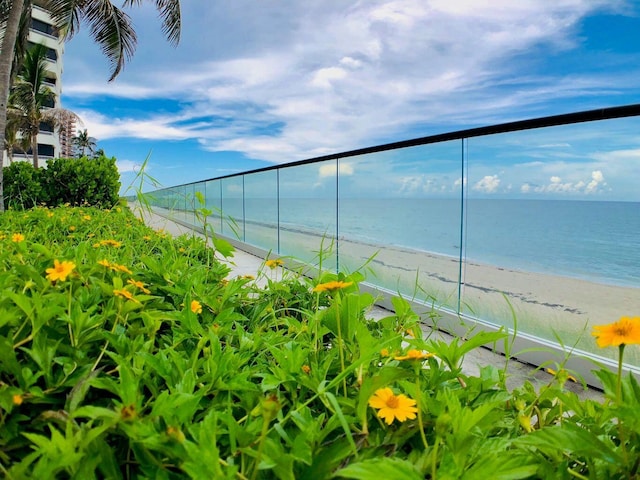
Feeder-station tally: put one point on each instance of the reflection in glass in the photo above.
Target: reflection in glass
(308, 222)
(261, 209)
(553, 224)
(233, 207)
(400, 214)
(213, 202)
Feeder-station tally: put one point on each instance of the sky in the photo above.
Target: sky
(255, 83)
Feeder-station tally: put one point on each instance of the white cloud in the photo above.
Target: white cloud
(597, 179)
(334, 75)
(324, 77)
(557, 185)
(155, 127)
(460, 182)
(329, 169)
(487, 184)
(126, 166)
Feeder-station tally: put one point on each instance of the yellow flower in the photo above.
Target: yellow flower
(306, 369)
(332, 286)
(384, 352)
(625, 331)
(104, 263)
(60, 270)
(17, 399)
(181, 250)
(391, 406)
(248, 277)
(121, 268)
(274, 263)
(17, 238)
(196, 307)
(49, 214)
(415, 355)
(72, 228)
(139, 285)
(107, 243)
(147, 238)
(124, 294)
(87, 217)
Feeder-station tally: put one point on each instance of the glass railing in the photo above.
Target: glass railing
(533, 226)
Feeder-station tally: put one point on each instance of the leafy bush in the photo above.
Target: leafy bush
(127, 354)
(82, 181)
(22, 186)
(65, 181)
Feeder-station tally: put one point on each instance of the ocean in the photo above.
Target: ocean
(592, 240)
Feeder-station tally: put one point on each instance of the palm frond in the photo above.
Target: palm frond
(169, 12)
(65, 15)
(112, 30)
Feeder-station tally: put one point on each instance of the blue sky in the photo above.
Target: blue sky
(261, 82)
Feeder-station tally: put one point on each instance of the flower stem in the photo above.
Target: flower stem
(340, 348)
(418, 402)
(619, 384)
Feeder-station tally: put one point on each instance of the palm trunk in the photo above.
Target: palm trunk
(34, 150)
(6, 58)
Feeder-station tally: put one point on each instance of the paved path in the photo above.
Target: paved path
(244, 263)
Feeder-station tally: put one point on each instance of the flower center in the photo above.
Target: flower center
(392, 402)
(622, 330)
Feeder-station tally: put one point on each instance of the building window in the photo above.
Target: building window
(46, 127)
(51, 54)
(43, 27)
(44, 150)
(51, 103)
(49, 81)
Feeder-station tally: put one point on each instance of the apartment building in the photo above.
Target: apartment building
(51, 142)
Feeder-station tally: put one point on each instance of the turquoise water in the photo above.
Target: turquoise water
(598, 241)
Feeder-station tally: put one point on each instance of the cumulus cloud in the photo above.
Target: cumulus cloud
(487, 184)
(460, 182)
(127, 166)
(557, 185)
(329, 169)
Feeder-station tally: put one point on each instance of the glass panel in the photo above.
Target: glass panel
(553, 223)
(233, 207)
(402, 208)
(261, 209)
(214, 203)
(308, 221)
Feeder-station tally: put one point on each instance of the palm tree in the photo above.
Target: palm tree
(83, 142)
(110, 27)
(29, 97)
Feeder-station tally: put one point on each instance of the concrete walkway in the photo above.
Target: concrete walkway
(244, 263)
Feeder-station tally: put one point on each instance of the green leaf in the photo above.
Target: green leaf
(377, 468)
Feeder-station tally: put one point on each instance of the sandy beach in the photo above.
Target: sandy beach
(548, 306)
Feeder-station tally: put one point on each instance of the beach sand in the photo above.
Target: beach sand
(553, 307)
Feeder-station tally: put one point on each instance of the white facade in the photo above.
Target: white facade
(42, 31)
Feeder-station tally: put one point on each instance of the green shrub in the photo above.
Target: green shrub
(22, 187)
(72, 181)
(82, 181)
